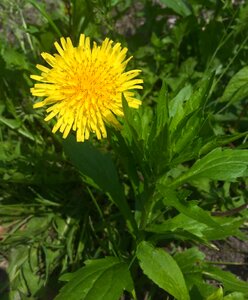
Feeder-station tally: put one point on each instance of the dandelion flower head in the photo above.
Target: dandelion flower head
(84, 85)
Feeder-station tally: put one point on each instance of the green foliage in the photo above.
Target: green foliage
(133, 216)
(181, 7)
(236, 89)
(219, 164)
(162, 269)
(100, 279)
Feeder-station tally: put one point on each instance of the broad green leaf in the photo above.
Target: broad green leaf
(181, 7)
(219, 164)
(93, 164)
(178, 224)
(237, 88)
(188, 208)
(162, 269)
(217, 295)
(100, 279)
(100, 169)
(230, 282)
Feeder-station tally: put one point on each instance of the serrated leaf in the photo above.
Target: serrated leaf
(219, 164)
(162, 269)
(237, 88)
(100, 279)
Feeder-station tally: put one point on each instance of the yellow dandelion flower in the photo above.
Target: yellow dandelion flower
(84, 86)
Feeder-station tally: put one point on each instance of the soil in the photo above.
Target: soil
(232, 256)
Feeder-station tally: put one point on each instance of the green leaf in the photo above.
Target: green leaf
(93, 164)
(188, 102)
(230, 227)
(162, 269)
(230, 282)
(217, 295)
(180, 224)
(221, 140)
(159, 138)
(138, 121)
(181, 7)
(186, 132)
(162, 110)
(219, 164)
(14, 59)
(235, 296)
(199, 288)
(189, 259)
(188, 208)
(100, 171)
(237, 88)
(100, 279)
(176, 107)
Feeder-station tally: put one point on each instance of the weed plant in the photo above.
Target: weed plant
(127, 217)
